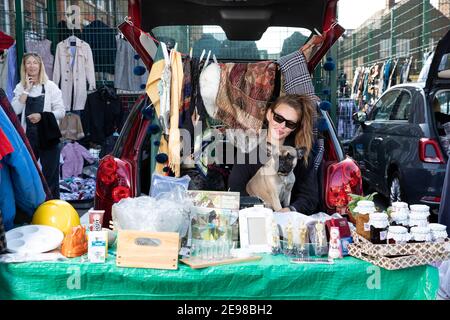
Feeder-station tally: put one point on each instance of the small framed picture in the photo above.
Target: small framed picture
(255, 229)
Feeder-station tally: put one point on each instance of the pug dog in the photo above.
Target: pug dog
(274, 181)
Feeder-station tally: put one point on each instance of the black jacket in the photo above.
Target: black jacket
(48, 130)
(305, 193)
(101, 115)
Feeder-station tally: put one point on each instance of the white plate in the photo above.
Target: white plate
(33, 239)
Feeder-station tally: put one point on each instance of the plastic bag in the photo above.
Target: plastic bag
(75, 244)
(169, 212)
(163, 184)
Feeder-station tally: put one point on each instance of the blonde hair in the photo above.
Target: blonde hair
(305, 107)
(42, 77)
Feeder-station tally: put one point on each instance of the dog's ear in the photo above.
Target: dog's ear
(300, 152)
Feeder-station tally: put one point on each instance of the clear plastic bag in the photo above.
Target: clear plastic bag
(164, 184)
(169, 212)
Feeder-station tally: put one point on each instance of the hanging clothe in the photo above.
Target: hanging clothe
(73, 155)
(43, 49)
(244, 93)
(102, 40)
(71, 127)
(346, 126)
(125, 65)
(102, 115)
(9, 111)
(8, 70)
(5, 146)
(73, 78)
(20, 183)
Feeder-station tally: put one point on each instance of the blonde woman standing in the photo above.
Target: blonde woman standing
(39, 101)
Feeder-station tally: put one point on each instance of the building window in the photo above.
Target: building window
(403, 47)
(385, 48)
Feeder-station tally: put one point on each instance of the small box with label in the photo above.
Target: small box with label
(97, 246)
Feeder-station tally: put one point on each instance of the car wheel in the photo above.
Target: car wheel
(395, 189)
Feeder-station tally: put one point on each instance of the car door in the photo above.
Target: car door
(367, 146)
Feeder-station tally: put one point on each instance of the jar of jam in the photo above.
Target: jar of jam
(400, 217)
(398, 235)
(418, 219)
(420, 234)
(438, 232)
(398, 206)
(378, 227)
(363, 209)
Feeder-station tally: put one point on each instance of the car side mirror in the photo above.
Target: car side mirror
(360, 117)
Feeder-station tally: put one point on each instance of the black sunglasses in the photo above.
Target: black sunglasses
(280, 119)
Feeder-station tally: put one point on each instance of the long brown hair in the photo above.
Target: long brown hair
(305, 107)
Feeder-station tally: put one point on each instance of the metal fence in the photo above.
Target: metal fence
(411, 28)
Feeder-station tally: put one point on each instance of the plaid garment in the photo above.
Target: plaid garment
(346, 126)
(297, 80)
(320, 150)
(4, 103)
(2, 235)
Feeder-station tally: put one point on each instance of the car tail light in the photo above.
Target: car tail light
(429, 151)
(430, 199)
(113, 184)
(343, 179)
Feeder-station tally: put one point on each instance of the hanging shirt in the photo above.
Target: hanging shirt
(71, 128)
(74, 155)
(345, 122)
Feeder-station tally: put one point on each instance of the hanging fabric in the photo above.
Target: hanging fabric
(71, 127)
(346, 126)
(71, 71)
(74, 155)
(20, 183)
(126, 62)
(102, 40)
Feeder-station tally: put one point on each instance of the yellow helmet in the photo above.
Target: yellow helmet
(57, 213)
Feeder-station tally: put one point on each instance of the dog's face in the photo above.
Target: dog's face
(287, 160)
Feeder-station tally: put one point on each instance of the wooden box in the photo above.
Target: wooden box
(154, 250)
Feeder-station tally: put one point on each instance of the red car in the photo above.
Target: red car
(121, 174)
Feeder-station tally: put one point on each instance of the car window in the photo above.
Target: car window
(402, 106)
(385, 105)
(275, 42)
(443, 98)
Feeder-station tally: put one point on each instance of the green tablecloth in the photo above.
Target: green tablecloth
(273, 277)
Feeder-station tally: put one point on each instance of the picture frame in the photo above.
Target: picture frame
(255, 229)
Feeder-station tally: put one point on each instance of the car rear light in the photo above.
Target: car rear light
(431, 199)
(113, 184)
(429, 151)
(343, 179)
(120, 192)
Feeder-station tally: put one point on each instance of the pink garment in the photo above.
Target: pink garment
(74, 155)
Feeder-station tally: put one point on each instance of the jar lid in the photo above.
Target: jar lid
(397, 229)
(420, 230)
(399, 204)
(419, 208)
(378, 216)
(365, 203)
(437, 227)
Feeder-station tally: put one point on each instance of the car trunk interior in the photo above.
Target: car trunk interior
(240, 22)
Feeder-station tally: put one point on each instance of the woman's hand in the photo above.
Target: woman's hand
(28, 83)
(285, 210)
(34, 117)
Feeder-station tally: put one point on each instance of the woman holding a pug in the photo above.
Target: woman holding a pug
(39, 100)
(289, 121)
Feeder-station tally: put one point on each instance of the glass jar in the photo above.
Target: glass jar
(438, 232)
(378, 227)
(420, 234)
(398, 235)
(363, 209)
(418, 219)
(398, 206)
(400, 217)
